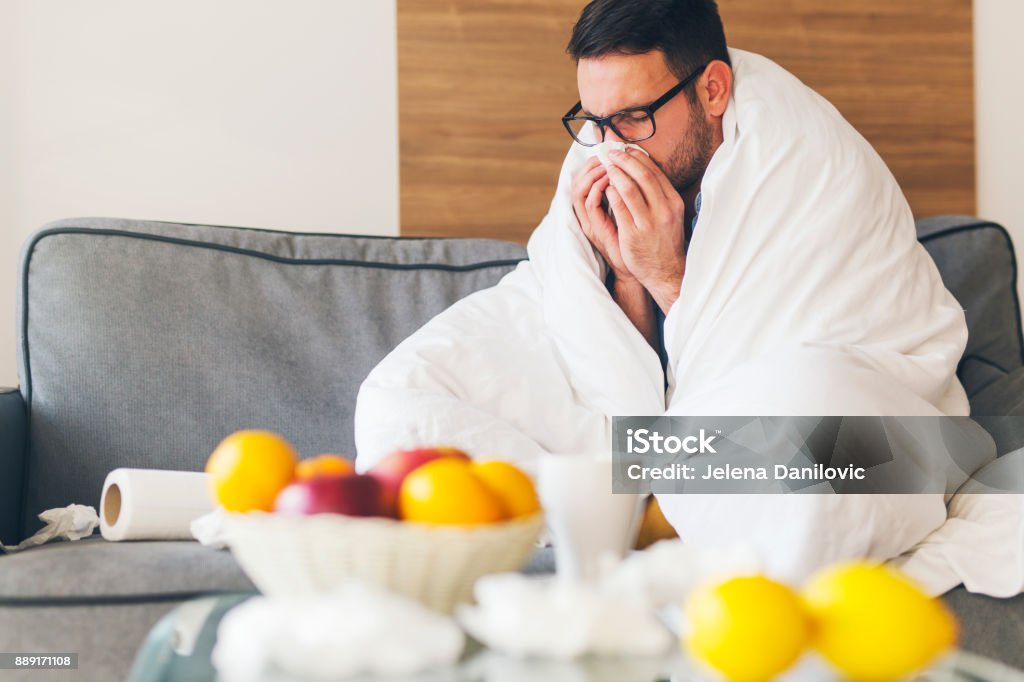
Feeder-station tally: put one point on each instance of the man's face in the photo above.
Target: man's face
(683, 142)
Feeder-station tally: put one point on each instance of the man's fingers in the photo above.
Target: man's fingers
(629, 193)
(643, 175)
(582, 183)
(580, 210)
(593, 202)
(592, 175)
(596, 216)
(590, 171)
(656, 171)
(623, 216)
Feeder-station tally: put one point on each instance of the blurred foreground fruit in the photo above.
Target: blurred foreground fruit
(323, 465)
(872, 623)
(392, 470)
(449, 491)
(653, 526)
(249, 468)
(349, 494)
(748, 628)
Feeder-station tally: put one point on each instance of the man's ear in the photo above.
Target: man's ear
(715, 87)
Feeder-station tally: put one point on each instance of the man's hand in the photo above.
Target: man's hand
(649, 213)
(588, 188)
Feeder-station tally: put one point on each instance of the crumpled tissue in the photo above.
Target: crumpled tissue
(604, 148)
(551, 617)
(357, 629)
(622, 613)
(73, 522)
(209, 529)
(667, 571)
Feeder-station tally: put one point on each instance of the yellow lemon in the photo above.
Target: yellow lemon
(249, 468)
(510, 485)
(872, 623)
(748, 628)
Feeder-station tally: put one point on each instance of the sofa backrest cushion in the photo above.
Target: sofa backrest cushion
(978, 265)
(145, 343)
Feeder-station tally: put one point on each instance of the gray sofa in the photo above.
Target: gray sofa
(143, 343)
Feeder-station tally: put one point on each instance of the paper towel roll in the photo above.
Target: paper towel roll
(150, 504)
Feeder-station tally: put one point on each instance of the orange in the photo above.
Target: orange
(510, 485)
(249, 468)
(447, 491)
(323, 465)
(653, 526)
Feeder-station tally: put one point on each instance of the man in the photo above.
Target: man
(760, 244)
(672, 55)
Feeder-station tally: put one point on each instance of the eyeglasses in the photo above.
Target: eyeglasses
(631, 125)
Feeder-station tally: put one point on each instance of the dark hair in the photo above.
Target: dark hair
(688, 32)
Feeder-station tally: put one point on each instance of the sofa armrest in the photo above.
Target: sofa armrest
(12, 462)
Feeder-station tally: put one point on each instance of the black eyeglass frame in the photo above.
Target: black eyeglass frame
(603, 122)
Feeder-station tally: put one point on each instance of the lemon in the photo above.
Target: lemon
(872, 623)
(748, 628)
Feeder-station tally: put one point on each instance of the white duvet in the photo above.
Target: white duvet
(806, 293)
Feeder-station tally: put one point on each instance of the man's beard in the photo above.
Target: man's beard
(691, 157)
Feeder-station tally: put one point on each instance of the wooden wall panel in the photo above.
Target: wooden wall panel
(483, 83)
(901, 72)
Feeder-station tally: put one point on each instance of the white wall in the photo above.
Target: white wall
(998, 55)
(263, 113)
(9, 236)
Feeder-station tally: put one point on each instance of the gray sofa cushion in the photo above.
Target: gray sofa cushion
(145, 343)
(989, 626)
(96, 571)
(1004, 395)
(977, 263)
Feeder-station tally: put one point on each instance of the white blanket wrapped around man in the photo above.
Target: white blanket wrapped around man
(806, 293)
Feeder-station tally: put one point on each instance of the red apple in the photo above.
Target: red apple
(393, 469)
(349, 494)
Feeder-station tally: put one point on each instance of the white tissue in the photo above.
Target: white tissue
(73, 522)
(548, 617)
(209, 529)
(666, 572)
(604, 148)
(358, 629)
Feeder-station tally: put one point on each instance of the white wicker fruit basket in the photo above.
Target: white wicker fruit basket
(434, 564)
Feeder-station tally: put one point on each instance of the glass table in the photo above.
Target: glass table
(178, 649)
